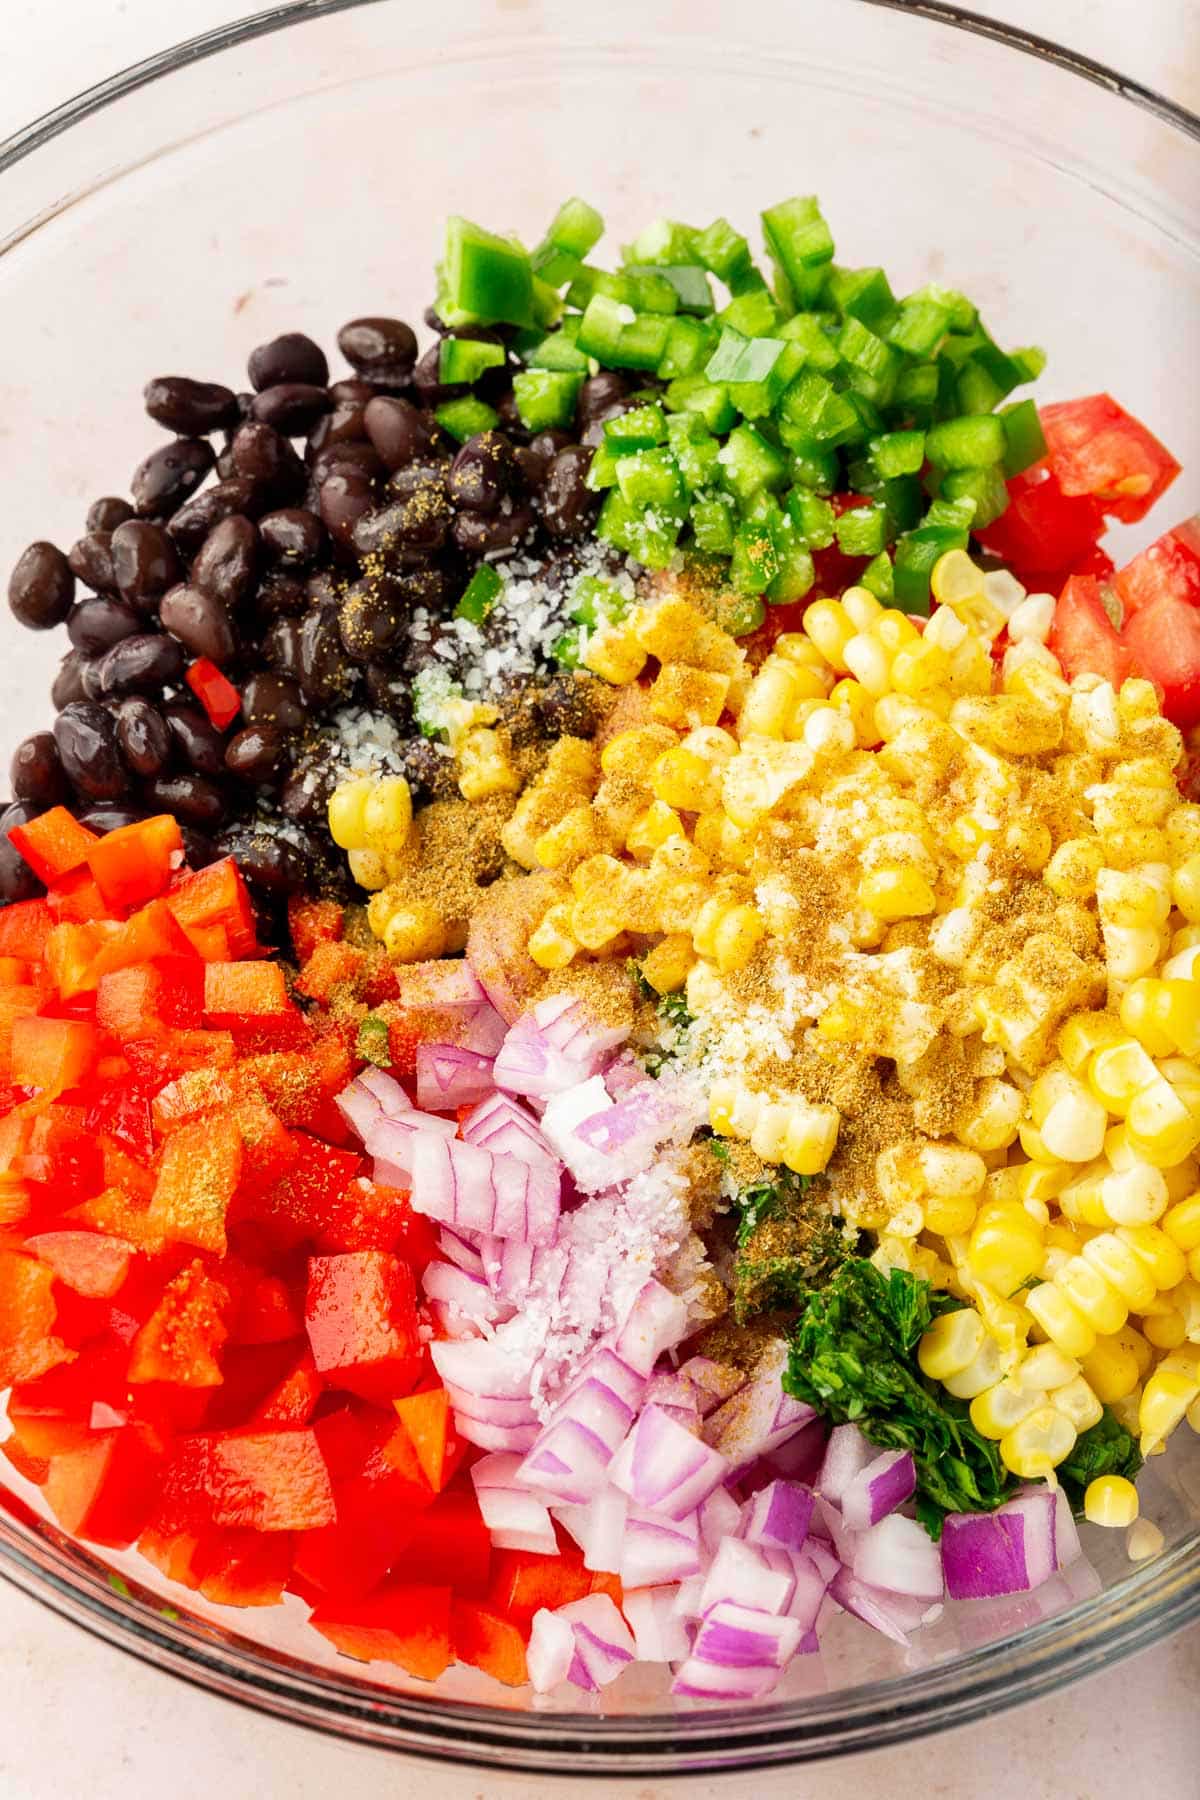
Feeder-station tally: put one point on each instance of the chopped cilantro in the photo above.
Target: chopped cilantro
(373, 1043)
(1105, 1448)
(788, 1242)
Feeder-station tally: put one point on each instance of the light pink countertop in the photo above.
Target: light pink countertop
(80, 1719)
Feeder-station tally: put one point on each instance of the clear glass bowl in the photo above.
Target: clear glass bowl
(294, 170)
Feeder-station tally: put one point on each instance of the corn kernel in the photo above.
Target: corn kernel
(1038, 1444)
(1083, 1035)
(770, 699)
(727, 934)
(368, 868)
(680, 695)
(951, 1216)
(1165, 1399)
(1076, 1402)
(955, 577)
(1005, 1248)
(552, 944)
(897, 893)
(1162, 1259)
(1111, 1369)
(1182, 1223)
(830, 628)
(1160, 1126)
(1121, 1268)
(1165, 1330)
(1185, 888)
(1143, 1012)
(867, 660)
(666, 966)
(811, 1138)
(415, 933)
(387, 814)
(615, 655)
(1072, 871)
(683, 779)
(652, 828)
(725, 844)
(1143, 1540)
(982, 1372)
(1062, 1322)
(998, 1409)
(1110, 1500)
(951, 1344)
(347, 813)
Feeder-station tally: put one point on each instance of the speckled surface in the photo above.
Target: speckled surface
(79, 1719)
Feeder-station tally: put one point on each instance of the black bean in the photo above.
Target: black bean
(68, 683)
(37, 773)
(17, 879)
(197, 740)
(107, 513)
(344, 499)
(346, 424)
(170, 475)
(94, 626)
(399, 431)
(292, 407)
(41, 587)
(281, 646)
(420, 522)
(324, 671)
(191, 407)
(192, 523)
(429, 770)
(268, 459)
(304, 796)
(268, 862)
(255, 753)
(273, 700)
(198, 850)
(507, 411)
(428, 471)
(280, 596)
(191, 798)
(225, 563)
(292, 357)
(482, 473)
(86, 736)
(291, 537)
(370, 620)
(109, 818)
(389, 691)
(144, 561)
(381, 348)
(361, 459)
(143, 737)
(90, 678)
(143, 664)
(428, 587)
(567, 505)
(478, 533)
(601, 397)
(426, 378)
(352, 392)
(199, 621)
(90, 560)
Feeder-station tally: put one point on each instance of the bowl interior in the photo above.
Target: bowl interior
(295, 179)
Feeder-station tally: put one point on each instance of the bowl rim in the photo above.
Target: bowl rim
(1161, 1597)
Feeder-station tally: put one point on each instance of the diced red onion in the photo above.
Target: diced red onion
(567, 1463)
(449, 1077)
(604, 1366)
(450, 1321)
(659, 1634)
(446, 981)
(551, 1650)
(470, 1294)
(712, 1381)
(719, 1517)
(811, 1584)
(822, 1556)
(517, 1438)
(687, 1597)
(674, 1393)
(624, 1073)
(593, 1404)
(391, 1141)
(828, 1523)
(847, 1453)
(658, 1550)
(564, 1112)
(491, 1410)
(598, 1527)
(485, 1368)
(500, 1124)
(742, 1573)
(1009, 1551)
(759, 1417)
(900, 1557)
(779, 1515)
(800, 1458)
(885, 1483)
(603, 1641)
(738, 1637)
(619, 1139)
(516, 1519)
(656, 1321)
(558, 1043)
(482, 1030)
(463, 1255)
(466, 1187)
(697, 1679)
(1067, 1548)
(895, 1615)
(662, 1466)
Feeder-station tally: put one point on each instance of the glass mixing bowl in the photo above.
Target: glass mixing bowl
(294, 170)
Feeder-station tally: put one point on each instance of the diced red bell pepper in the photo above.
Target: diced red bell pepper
(51, 1054)
(454, 1545)
(268, 1313)
(408, 1626)
(1043, 528)
(230, 1568)
(269, 1149)
(24, 929)
(87, 1261)
(147, 934)
(28, 1346)
(53, 844)
(488, 1641)
(312, 922)
(361, 1319)
(1164, 640)
(1170, 566)
(251, 1000)
(128, 1002)
(369, 1216)
(378, 1516)
(251, 1373)
(182, 1339)
(169, 1053)
(1096, 448)
(197, 1178)
(215, 692)
(429, 1427)
(195, 1094)
(135, 863)
(217, 897)
(522, 1582)
(71, 950)
(332, 965)
(1084, 638)
(77, 897)
(33, 1468)
(15, 1003)
(302, 1087)
(293, 1209)
(61, 1156)
(14, 972)
(253, 1480)
(120, 1110)
(104, 1491)
(294, 1400)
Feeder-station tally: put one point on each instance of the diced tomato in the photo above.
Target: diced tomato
(135, 863)
(1043, 528)
(24, 929)
(53, 844)
(28, 1346)
(1084, 638)
(104, 1490)
(87, 1261)
(255, 1480)
(198, 1177)
(51, 1054)
(429, 1427)
(216, 694)
(182, 1339)
(312, 922)
(488, 1641)
(1164, 639)
(408, 1626)
(361, 1319)
(1171, 566)
(1096, 448)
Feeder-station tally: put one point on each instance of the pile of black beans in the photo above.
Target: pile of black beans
(286, 533)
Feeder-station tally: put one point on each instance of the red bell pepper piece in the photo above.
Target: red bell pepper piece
(160, 1058)
(378, 1517)
(87, 1261)
(361, 1319)
(51, 1054)
(268, 1313)
(120, 1110)
(32, 1468)
(28, 1346)
(312, 922)
(53, 844)
(488, 1641)
(104, 1490)
(77, 898)
(62, 1156)
(254, 1480)
(197, 1178)
(293, 1400)
(182, 1339)
(251, 1000)
(151, 932)
(71, 950)
(1096, 448)
(216, 897)
(216, 694)
(1084, 638)
(291, 1210)
(523, 1582)
(1170, 566)
(368, 1216)
(13, 972)
(129, 1002)
(453, 1546)
(330, 967)
(24, 929)
(428, 1425)
(408, 1626)
(135, 863)
(1164, 640)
